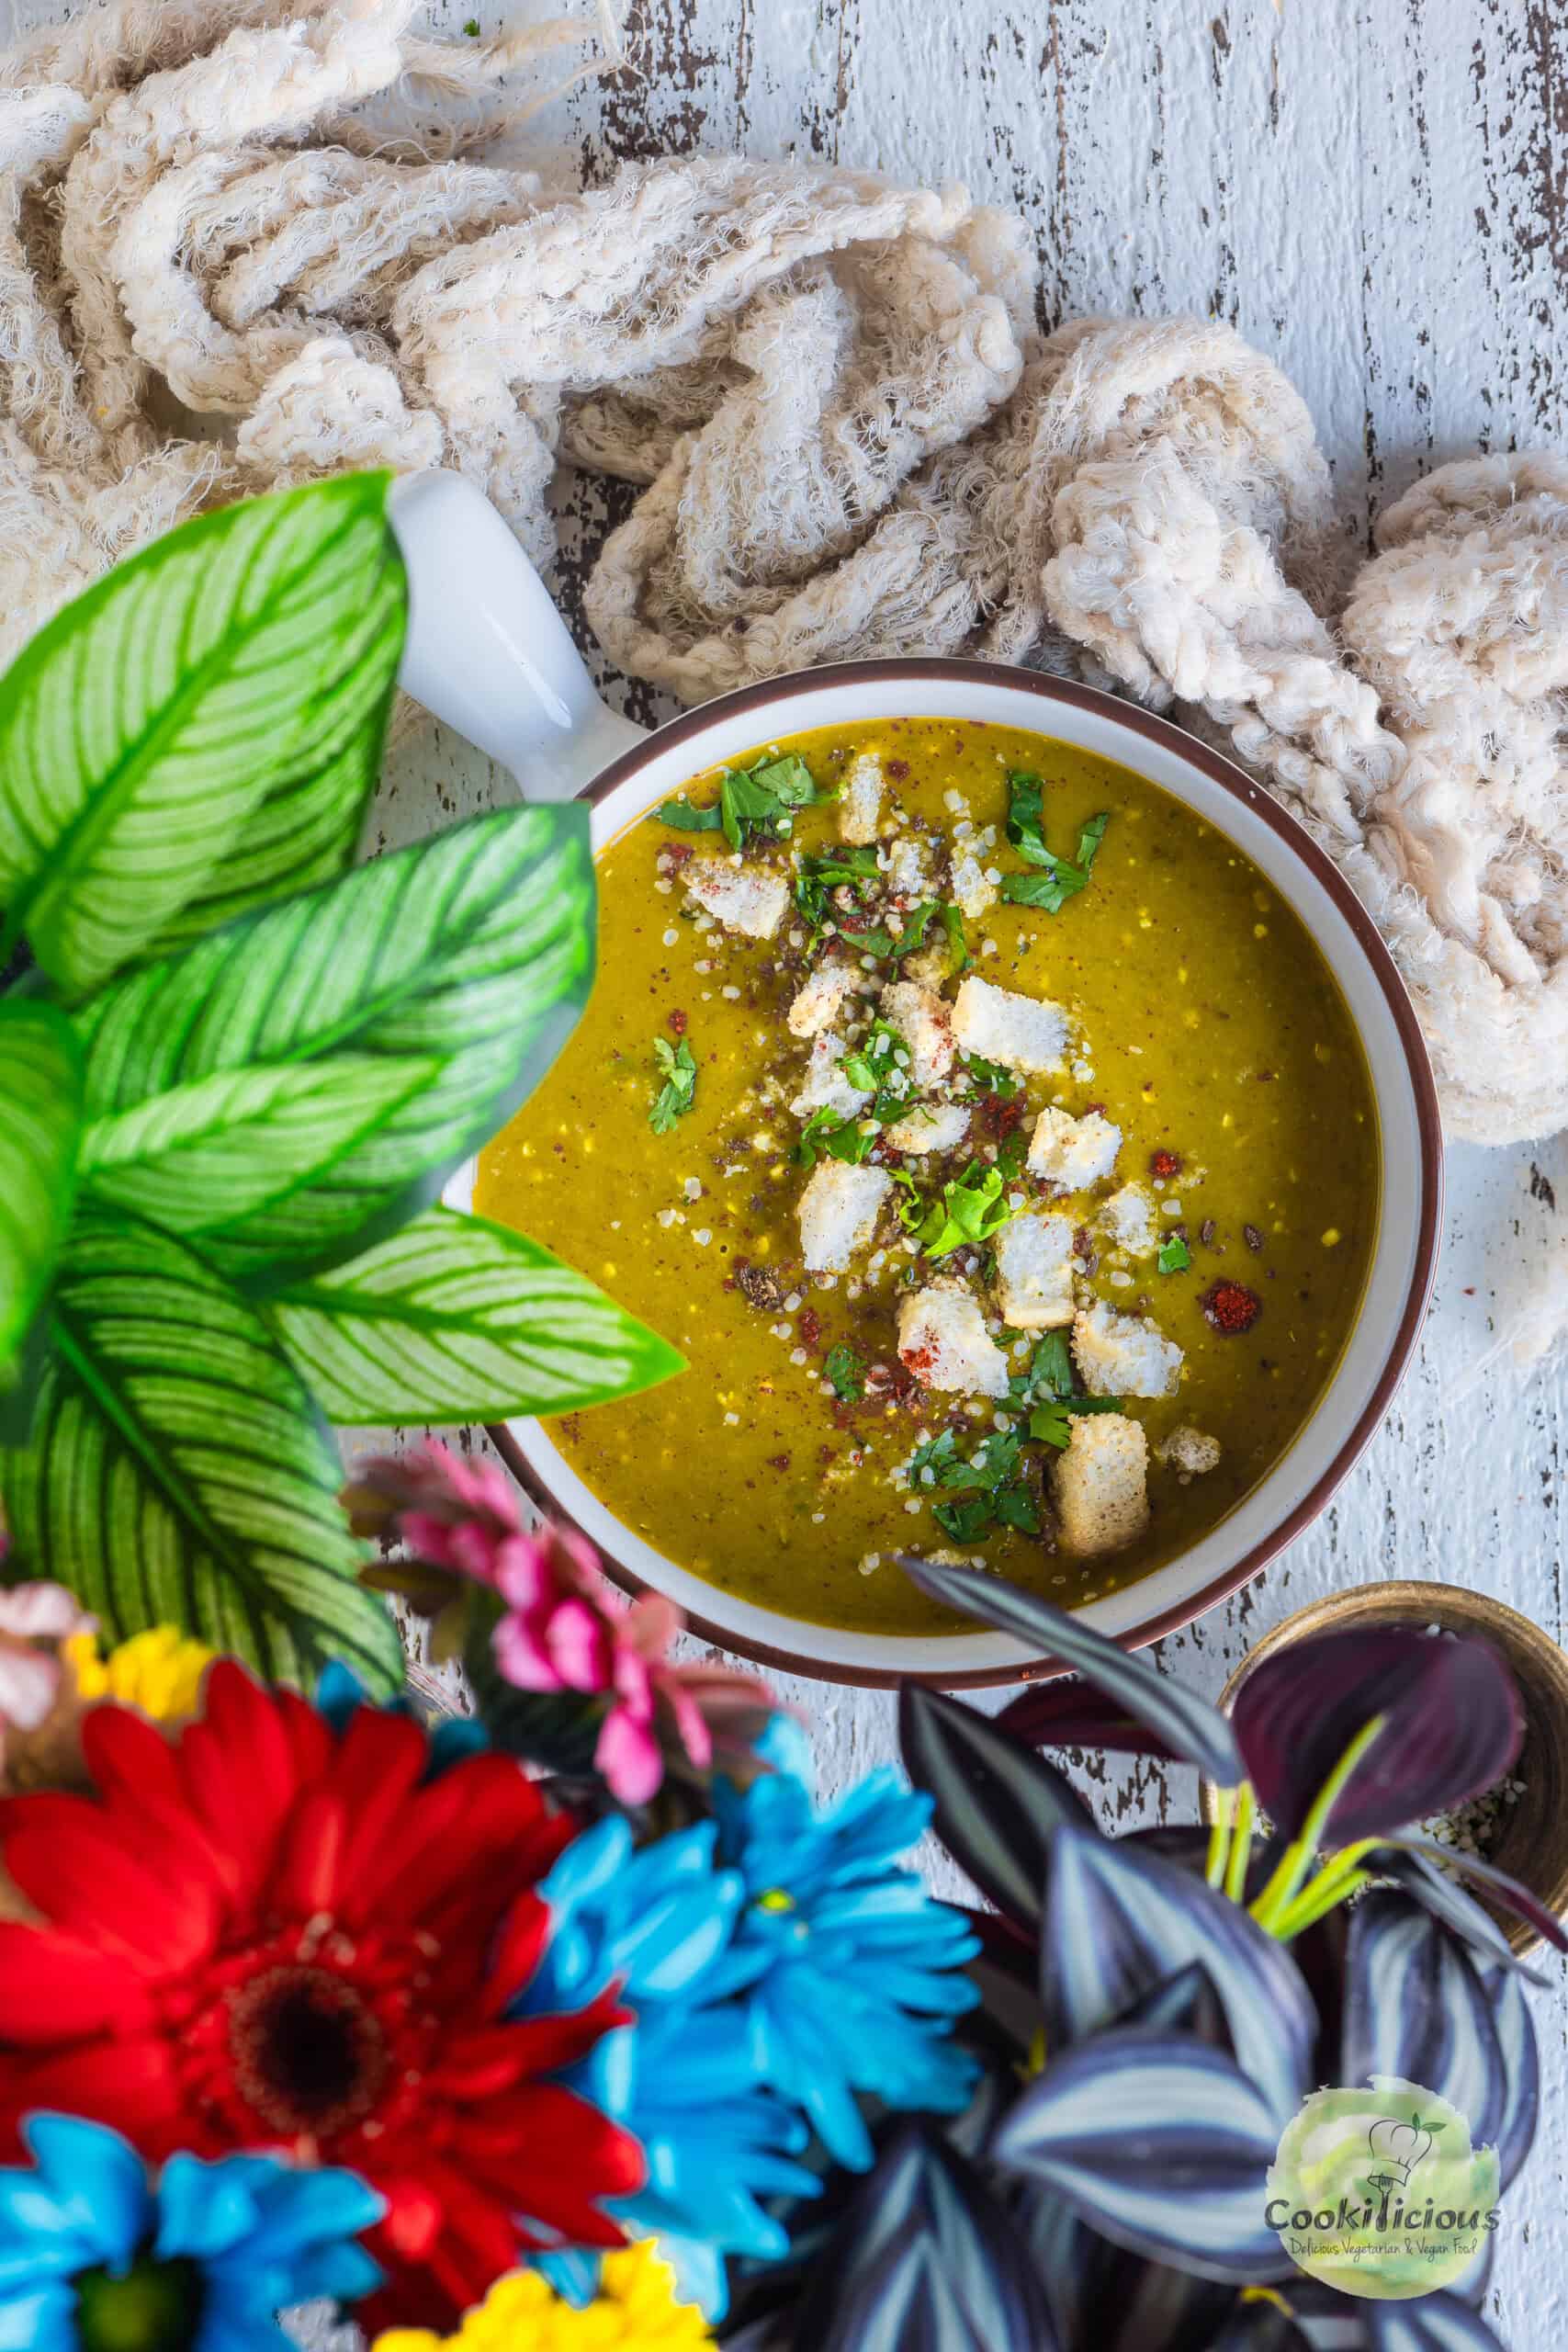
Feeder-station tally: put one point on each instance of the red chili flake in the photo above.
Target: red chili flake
(678, 854)
(918, 1360)
(1090, 1110)
(1165, 1163)
(997, 1117)
(898, 770)
(677, 1023)
(855, 917)
(1230, 1308)
(778, 1462)
(810, 1325)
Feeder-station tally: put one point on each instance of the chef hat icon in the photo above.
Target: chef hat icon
(1400, 2146)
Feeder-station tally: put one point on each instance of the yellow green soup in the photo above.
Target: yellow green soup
(797, 1455)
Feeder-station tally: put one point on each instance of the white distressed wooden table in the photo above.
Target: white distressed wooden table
(1376, 193)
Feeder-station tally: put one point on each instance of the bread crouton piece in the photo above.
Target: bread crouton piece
(1034, 1272)
(837, 1214)
(972, 892)
(1100, 1481)
(941, 1127)
(859, 803)
(1121, 1355)
(750, 900)
(1073, 1153)
(924, 1020)
(942, 1339)
(822, 997)
(825, 1087)
(1127, 1221)
(1189, 1452)
(1022, 1032)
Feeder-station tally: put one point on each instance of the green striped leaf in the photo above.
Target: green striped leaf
(41, 1118)
(474, 950)
(226, 1156)
(201, 730)
(457, 1319)
(176, 1474)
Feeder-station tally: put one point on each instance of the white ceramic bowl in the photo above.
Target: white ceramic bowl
(487, 652)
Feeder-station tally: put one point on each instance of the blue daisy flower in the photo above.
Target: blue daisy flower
(853, 1967)
(94, 2254)
(684, 2077)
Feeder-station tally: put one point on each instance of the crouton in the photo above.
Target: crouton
(942, 1339)
(1189, 1451)
(969, 888)
(1127, 1221)
(925, 1023)
(1073, 1153)
(940, 1126)
(838, 1213)
(825, 1087)
(908, 876)
(821, 996)
(1120, 1355)
(1100, 1481)
(1034, 1272)
(1022, 1032)
(859, 803)
(748, 898)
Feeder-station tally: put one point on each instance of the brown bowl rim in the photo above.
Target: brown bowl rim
(1067, 692)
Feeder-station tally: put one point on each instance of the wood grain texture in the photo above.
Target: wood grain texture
(1376, 193)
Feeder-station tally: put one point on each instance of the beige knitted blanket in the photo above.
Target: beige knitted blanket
(243, 244)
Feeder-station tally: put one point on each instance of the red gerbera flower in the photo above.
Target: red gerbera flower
(265, 1936)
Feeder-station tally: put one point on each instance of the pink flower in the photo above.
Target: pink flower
(566, 1627)
(29, 1676)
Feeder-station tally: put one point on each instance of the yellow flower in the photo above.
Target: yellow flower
(158, 1672)
(635, 2311)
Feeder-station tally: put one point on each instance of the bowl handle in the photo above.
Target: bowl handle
(486, 649)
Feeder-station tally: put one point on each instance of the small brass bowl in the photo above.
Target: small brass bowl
(1532, 1843)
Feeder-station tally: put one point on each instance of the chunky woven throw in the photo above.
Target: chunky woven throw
(241, 244)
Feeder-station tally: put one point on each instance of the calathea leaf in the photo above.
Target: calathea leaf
(229, 1152)
(473, 952)
(457, 1319)
(1416, 2008)
(41, 1117)
(1452, 1725)
(1195, 1732)
(1118, 1923)
(997, 1804)
(175, 1474)
(201, 729)
(1160, 2142)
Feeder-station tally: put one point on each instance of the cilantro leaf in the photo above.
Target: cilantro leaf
(965, 1522)
(678, 1069)
(687, 819)
(970, 1210)
(989, 1078)
(754, 802)
(1061, 879)
(1052, 1423)
(957, 941)
(842, 1138)
(1174, 1256)
(846, 1371)
(879, 1066)
(881, 943)
(817, 876)
(989, 1482)
(1050, 1372)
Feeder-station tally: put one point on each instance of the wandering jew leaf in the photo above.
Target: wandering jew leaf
(41, 1117)
(457, 1319)
(1426, 1870)
(473, 952)
(1187, 2182)
(176, 1475)
(1512, 2023)
(996, 1805)
(1415, 2007)
(1193, 1730)
(1103, 2297)
(1440, 2323)
(201, 730)
(1066, 1712)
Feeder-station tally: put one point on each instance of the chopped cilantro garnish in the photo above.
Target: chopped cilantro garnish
(842, 1138)
(1174, 1256)
(753, 803)
(957, 941)
(1061, 879)
(817, 877)
(679, 1072)
(989, 1078)
(1052, 1423)
(1048, 1392)
(970, 1210)
(990, 1481)
(885, 945)
(879, 1066)
(846, 1371)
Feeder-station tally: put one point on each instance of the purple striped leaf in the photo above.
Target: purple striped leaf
(1194, 1731)
(1454, 1725)
(1505, 1891)
(1416, 2008)
(997, 1803)
(1103, 2299)
(1184, 2003)
(1120, 1923)
(1160, 2144)
(1521, 2068)
(1068, 1712)
(1442, 2322)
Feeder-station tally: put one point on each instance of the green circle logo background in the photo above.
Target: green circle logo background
(1383, 2195)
